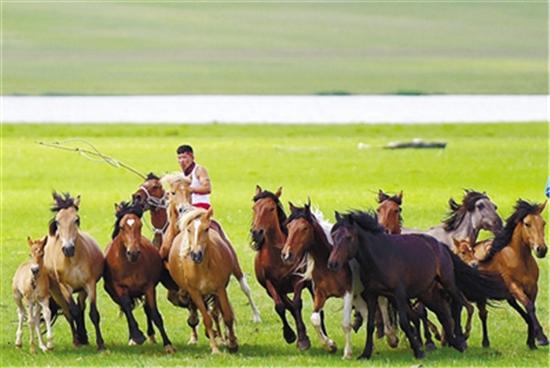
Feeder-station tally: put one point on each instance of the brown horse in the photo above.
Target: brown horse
(279, 279)
(307, 239)
(389, 211)
(201, 263)
(511, 256)
(132, 270)
(75, 264)
(32, 295)
(152, 197)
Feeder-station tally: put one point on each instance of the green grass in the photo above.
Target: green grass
(270, 48)
(323, 162)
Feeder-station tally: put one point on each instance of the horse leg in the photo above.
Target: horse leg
(371, 306)
(280, 308)
(346, 324)
(469, 314)
(81, 303)
(47, 315)
(150, 329)
(318, 304)
(91, 291)
(63, 296)
(120, 295)
(151, 304)
(390, 329)
(21, 320)
(404, 311)
(482, 310)
(193, 322)
(246, 290)
(435, 301)
(529, 306)
(423, 315)
(527, 319)
(31, 321)
(206, 319)
(296, 310)
(228, 318)
(36, 323)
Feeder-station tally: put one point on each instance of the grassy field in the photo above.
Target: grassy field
(323, 162)
(269, 48)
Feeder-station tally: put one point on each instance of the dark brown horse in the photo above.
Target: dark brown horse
(279, 279)
(401, 267)
(132, 270)
(511, 256)
(152, 197)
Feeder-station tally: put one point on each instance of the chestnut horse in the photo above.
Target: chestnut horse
(75, 264)
(511, 256)
(269, 234)
(132, 270)
(152, 197)
(389, 211)
(201, 263)
(307, 239)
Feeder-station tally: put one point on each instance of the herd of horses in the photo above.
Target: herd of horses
(389, 275)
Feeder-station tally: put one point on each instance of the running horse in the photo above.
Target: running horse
(401, 267)
(152, 197)
(201, 262)
(75, 264)
(389, 211)
(269, 234)
(133, 269)
(511, 255)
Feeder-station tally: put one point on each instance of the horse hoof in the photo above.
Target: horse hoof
(131, 342)
(139, 339)
(363, 356)
(347, 354)
(304, 345)
(18, 345)
(393, 341)
(419, 354)
(169, 349)
(215, 351)
(532, 346)
(152, 339)
(44, 348)
(332, 348)
(192, 341)
(233, 348)
(256, 318)
(430, 346)
(542, 341)
(289, 335)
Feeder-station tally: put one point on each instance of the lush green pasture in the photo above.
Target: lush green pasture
(94, 47)
(323, 162)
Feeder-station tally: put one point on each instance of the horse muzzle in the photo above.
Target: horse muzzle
(333, 266)
(286, 257)
(68, 250)
(197, 256)
(133, 256)
(540, 251)
(496, 226)
(258, 238)
(35, 269)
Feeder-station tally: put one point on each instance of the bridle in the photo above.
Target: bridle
(153, 203)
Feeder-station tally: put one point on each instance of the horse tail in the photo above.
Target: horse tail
(477, 285)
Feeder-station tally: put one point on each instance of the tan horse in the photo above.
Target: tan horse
(201, 263)
(31, 289)
(75, 263)
(511, 256)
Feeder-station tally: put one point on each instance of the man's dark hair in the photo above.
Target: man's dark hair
(184, 148)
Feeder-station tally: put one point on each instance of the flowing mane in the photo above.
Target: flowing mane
(123, 209)
(62, 201)
(280, 210)
(458, 211)
(320, 232)
(521, 209)
(152, 176)
(366, 220)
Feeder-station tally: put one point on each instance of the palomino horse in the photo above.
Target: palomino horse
(201, 263)
(75, 264)
(152, 197)
(179, 205)
(278, 279)
(511, 256)
(307, 239)
(31, 294)
(132, 270)
(401, 267)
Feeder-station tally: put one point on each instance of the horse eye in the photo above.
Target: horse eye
(173, 193)
(527, 224)
(496, 207)
(77, 221)
(480, 206)
(272, 209)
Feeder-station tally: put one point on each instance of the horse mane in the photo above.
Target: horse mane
(503, 238)
(366, 220)
(280, 210)
(123, 209)
(190, 215)
(152, 176)
(62, 201)
(170, 178)
(385, 197)
(458, 211)
(320, 233)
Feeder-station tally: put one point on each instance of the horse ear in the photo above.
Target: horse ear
(400, 195)
(308, 204)
(77, 201)
(209, 213)
(279, 192)
(456, 242)
(382, 196)
(29, 240)
(542, 205)
(291, 206)
(453, 205)
(52, 228)
(337, 216)
(258, 189)
(44, 240)
(116, 206)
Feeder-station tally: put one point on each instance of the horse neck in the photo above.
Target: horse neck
(373, 247)
(518, 245)
(465, 230)
(158, 217)
(320, 248)
(276, 238)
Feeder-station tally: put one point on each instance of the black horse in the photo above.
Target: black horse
(401, 267)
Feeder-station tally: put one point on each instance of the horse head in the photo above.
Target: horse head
(128, 229)
(65, 225)
(465, 251)
(37, 254)
(301, 234)
(532, 230)
(268, 215)
(345, 239)
(179, 191)
(150, 193)
(389, 211)
(198, 237)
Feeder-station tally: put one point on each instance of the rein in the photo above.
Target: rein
(155, 202)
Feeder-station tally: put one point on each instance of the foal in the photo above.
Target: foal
(31, 289)
(132, 270)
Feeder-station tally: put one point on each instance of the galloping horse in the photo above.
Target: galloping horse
(401, 267)
(389, 211)
(132, 270)
(152, 197)
(307, 239)
(511, 256)
(179, 205)
(269, 234)
(201, 263)
(75, 264)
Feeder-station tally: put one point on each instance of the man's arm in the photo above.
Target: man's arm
(205, 186)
